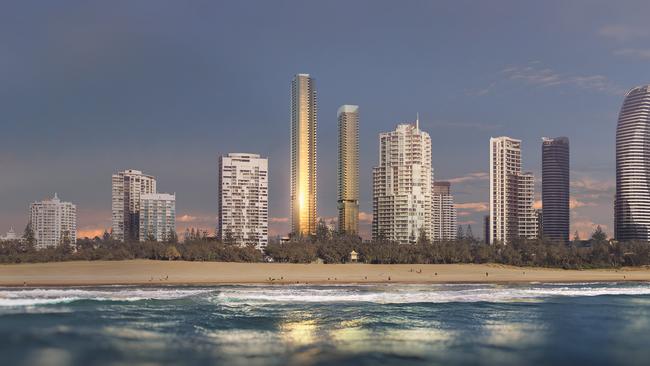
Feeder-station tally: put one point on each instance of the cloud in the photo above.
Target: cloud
(535, 75)
(639, 53)
(471, 207)
(589, 188)
(471, 177)
(365, 217)
(196, 219)
(277, 220)
(575, 203)
(623, 33)
(186, 218)
(481, 91)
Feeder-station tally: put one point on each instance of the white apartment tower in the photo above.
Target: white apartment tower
(511, 193)
(128, 186)
(443, 212)
(402, 185)
(53, 222)
(157, 216)
(244, 199)
(527, 215)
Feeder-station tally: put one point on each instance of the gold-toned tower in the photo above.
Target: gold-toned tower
(303, 155)
(348, 169)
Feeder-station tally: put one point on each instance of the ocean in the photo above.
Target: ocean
(392, 324)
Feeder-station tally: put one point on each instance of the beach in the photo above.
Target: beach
(144, 272)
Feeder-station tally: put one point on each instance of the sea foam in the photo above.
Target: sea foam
(399, 294)
(30, 297)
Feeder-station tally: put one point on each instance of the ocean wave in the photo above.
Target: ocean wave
(400, 294)
(33, 297)
(381, 294)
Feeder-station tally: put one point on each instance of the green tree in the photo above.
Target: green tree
(28, 235)
(172, 237)
(599, 235)
(323, 233)
(423, 238)
(172, 253)
(468, 233)
(576, 236)
(460, 234)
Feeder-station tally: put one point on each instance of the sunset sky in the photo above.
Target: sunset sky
(167, 86)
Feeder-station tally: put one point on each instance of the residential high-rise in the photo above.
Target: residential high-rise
(527, 215)
(511, 193)
(348, 169)
(157, 216)
(303, 155)
(555, 188)
(632, 203)
(244, 200)
(443, 212)
(402, 184)
(53, 222)
(128, 186)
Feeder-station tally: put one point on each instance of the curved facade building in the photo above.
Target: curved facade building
(555, 188)
(632, 204)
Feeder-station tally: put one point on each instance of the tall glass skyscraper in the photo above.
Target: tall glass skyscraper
(632, 204)
(348, 169)
(303, 155)
(555, 188)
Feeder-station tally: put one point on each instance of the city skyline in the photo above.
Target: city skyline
(114, 101)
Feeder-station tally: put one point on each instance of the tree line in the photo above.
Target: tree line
(331, 247)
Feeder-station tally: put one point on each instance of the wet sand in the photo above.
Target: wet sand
(144, 272)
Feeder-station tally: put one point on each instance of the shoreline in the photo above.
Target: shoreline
(157, 273)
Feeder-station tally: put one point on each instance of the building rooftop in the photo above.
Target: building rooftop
(348, 108)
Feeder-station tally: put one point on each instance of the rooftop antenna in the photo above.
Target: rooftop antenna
(417, 121)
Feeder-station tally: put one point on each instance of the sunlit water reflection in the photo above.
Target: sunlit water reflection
(561, 324)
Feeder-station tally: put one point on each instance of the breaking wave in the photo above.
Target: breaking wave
(400, 294)
(380, 294)
(31, 297)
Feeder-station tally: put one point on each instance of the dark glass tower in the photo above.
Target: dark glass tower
(555, 188)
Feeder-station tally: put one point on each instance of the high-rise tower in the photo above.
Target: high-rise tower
(53, 222)
(127, 187)
(555, 188)
(244, 199)
(632, 204)
(511, 193)
(348, 169)
(402, 183)
(303, 155)
(443, 212)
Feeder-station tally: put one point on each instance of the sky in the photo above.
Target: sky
(88, 88)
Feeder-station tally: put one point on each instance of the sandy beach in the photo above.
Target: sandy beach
(143, 272)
